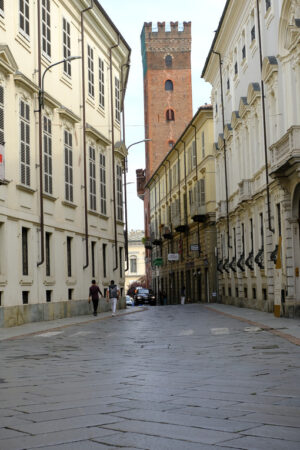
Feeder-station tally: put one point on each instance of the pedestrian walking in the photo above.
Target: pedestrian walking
(112, 295)
(94, 292)
(182, 295)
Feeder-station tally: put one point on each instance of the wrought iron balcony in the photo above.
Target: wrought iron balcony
(241, 262)
(198, 212)
(167, 232)
(259, 258)
(249, 261)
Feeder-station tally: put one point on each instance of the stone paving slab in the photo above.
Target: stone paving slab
(143, 441)
(189, 434)
(255, 443)
(53, 439)
(278, 432)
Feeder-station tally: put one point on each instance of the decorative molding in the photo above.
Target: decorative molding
(68, 114)
(7, 61)
(95, 134)
(25, 82)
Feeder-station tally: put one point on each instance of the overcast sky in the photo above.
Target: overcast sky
(129, 17)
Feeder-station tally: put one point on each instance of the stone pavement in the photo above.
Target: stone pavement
(173, 377)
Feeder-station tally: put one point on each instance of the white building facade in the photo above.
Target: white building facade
(256, 55)
(61, 176)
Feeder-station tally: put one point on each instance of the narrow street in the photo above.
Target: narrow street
(174, 377)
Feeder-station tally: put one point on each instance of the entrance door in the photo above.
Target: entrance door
(296, 240)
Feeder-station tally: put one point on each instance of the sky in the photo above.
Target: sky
(129, 17)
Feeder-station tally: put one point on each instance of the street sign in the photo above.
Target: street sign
(194, 247)
(173, 256)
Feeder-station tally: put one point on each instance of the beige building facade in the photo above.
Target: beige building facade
(61, 174)
(182, 210)
(254, 69)
(136, 258)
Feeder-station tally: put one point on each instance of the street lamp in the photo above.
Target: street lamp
(41, 91)
(125, 192)
(41, 106)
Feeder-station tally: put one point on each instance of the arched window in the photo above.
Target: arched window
(170, 115)
(169, 85)
(168, 60)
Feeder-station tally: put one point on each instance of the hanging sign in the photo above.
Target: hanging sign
(194, 247)
(173, 256)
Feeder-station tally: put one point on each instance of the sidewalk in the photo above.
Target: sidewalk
(288, 329)
(41, 327)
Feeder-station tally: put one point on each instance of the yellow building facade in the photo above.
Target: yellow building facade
(182, 241)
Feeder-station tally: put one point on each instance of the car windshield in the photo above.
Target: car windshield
(143, 291)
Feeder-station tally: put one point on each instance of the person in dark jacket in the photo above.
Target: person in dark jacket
(94, 295)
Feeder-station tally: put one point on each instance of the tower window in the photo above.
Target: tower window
(168, 60)
(169, 85)
(171, 143)
(170, 115)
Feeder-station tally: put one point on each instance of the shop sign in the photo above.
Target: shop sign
(173, 256)
(194, 247)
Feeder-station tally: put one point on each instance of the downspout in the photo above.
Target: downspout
(198, 227)
(40, 140)
(167, 212)
(125, 162)
(84, 139)
(185, 202)
(178, 180)
(170, 200)
(225, 161)
(113, 150)
(264, 120)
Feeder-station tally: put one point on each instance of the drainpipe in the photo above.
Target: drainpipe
(112, 149)
(225, 161)
(198, 227)
(40, 140)
(185, 203)
(170, 201)
(125, 161)
(84, 139)
(264, 120)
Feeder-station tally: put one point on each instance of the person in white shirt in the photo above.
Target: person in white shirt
(112, 295)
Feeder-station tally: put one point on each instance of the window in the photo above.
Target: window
(48, 296)
(169, 85)
(47, 156)
(69, 256)
(170, 115)
(2, 7)
(25, 297)
(253, 33)
(244, 52)
(47, 256)
(68, 166)
(228, 84)
(23, 16)
(245, 292)
(119, 194)
(92, 165)
(104, 260)
(203, 144)
(121, 261)
(194, 155)
(25, 143)
(265, 295)
(133, 265)
(1, 116)
(67, 46)
(229, 291)
(261, 229)
(90, 59)
(268, 4)
(171, 143)
(101, 83)
(46, 30)
(24, 251)
(93, 246)
(236, 68)
(103, 184)
(202, 192)
(278, 218)
(168, 61)
(70, 294)
(254, 293)
(117, 99)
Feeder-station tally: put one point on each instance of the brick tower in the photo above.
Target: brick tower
(166, 56)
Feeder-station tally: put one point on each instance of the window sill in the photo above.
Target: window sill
(90, 101)
(26, 281)
(244, 65)
(101, 111)
(269, 16)
(49, 281)
(69, 204)
(2, 22)
(70, 281)
(103, 216)
(3, 280)
(22, 40)
(4, 182)
(23, 187)
(253, 46)
(66, 80)
(93, 213)
(49, 197)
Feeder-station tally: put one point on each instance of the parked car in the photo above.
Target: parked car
(129, 301)
(144, 296)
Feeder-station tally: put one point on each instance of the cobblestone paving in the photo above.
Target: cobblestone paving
(174, 377)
